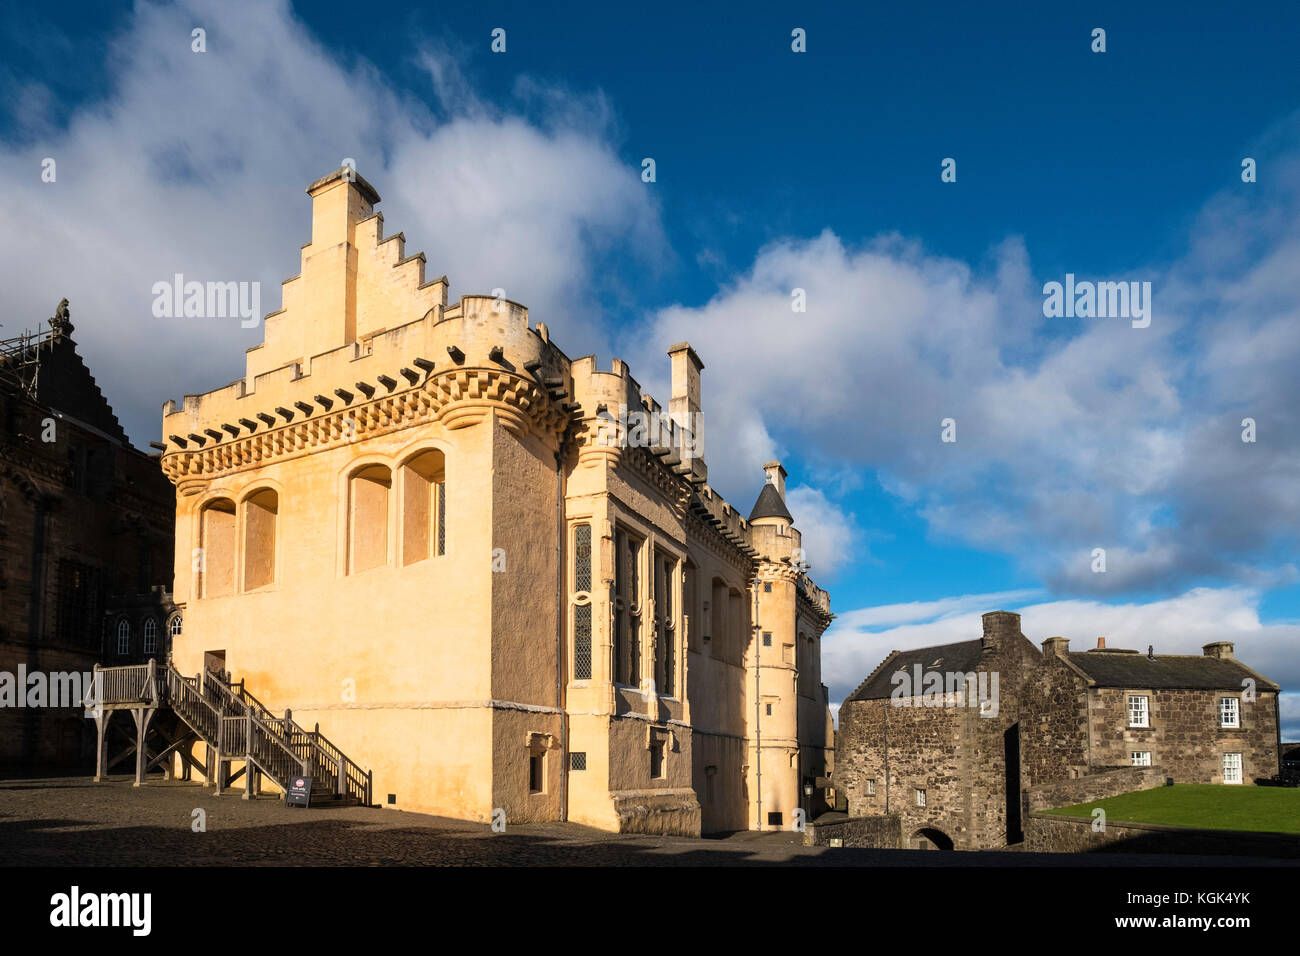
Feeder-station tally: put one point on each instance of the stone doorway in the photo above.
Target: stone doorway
(929, 838)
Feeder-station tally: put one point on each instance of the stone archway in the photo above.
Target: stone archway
(928, 838)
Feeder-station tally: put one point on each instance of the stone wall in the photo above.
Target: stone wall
(883, 832)
(1045, 833)
(1054, 723)
(1184, 735)
(1097, 786)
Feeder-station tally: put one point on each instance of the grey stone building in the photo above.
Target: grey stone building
(945, 740)
(1204, 718)
(933, 737)
(86, 526)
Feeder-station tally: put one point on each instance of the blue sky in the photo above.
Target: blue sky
(775, 170)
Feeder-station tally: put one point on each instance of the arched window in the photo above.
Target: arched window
(368, 491)
(627, 609)
(150, 635)
(260, 512)
(665, 581)
(582, 580)
(215, 561)
(123, 637)
(424, 506)
(174, 628)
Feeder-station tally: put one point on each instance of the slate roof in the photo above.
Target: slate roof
(962, 656)
(1193, 672)
(770, 505)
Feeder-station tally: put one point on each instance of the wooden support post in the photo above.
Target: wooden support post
(102, 718)
(142, 716)
(249, 770)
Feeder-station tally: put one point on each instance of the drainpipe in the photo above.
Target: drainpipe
(36, 609)
(885, 707)
(561, 614)
(758, 708)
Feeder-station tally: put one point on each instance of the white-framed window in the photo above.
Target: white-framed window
(174, 628)
(1138, 713)
(124, 636)
(1140, 758)
(871, 788)
(1232, 768)
(920, 797)
(1229, 712)
(150, 636)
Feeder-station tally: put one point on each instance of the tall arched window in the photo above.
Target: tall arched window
(216, 558)
(368, 491)
(665, 580)
(582, 602)
(627, 609)
(260, 513)
(150, 635)
(174, 628)
(424, 505)
(123, 637)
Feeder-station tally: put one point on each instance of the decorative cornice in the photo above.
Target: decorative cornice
(457, 398)
(697, 529)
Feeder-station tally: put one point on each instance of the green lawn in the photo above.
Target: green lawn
(1212, 807)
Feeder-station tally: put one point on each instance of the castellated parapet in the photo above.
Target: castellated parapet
(497, 574)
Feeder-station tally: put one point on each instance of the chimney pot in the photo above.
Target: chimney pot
(1101, 643)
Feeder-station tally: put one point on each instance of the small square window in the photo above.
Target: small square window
(767, 638)
(920, 797)
(769, 710)
(1140, 758)
(871, 788)
(577, 761)
(767, 587)
(775, 818)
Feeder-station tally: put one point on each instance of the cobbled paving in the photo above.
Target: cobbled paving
(74, 821)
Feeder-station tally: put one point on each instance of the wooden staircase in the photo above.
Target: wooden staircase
(234, 724)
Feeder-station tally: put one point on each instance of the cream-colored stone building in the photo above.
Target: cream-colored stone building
(428, 529)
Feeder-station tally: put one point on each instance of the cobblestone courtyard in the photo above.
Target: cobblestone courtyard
(74, 821)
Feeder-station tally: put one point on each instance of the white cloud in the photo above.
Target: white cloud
(196, 163)
(829, 535)
(1071, 434)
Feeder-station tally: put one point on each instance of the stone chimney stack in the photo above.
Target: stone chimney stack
(684, 407)
(329, 267)
(1056, 647)
(1001, 629)
(776, 477)
(1220, 649)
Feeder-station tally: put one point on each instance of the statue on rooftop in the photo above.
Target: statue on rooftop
(61, 323)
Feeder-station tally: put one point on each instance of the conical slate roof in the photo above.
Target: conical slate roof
(770, 505)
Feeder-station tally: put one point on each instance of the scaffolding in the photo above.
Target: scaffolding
(20, 359)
